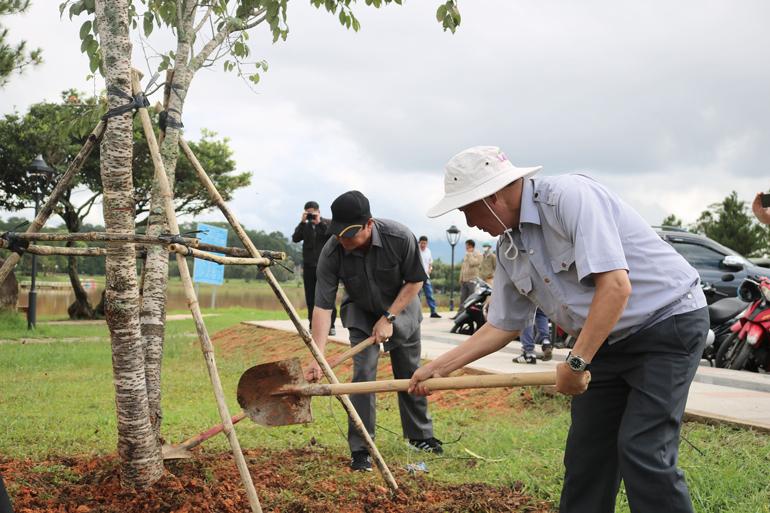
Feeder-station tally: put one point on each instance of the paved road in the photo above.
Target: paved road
(716, 395)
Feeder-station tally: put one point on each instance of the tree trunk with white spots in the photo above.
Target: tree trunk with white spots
(138, 447)
(155, 283)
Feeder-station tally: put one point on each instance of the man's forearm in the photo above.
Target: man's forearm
(612, 292)
(486, 340)
(408, 292)
(322, 321)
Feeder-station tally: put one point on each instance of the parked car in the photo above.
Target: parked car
(718, 265)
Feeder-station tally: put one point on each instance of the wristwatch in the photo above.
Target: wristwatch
(389, 316)
(576, 363)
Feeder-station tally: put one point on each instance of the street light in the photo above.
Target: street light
(42, 173)
(452, 236)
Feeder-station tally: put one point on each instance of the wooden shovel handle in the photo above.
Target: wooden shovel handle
(350, 353)
(401, 385)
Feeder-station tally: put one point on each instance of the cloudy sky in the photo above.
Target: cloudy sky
(666, 102)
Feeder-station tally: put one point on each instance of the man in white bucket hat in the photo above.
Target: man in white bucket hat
(581, 254)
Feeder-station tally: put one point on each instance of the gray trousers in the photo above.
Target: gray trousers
(416, 423)
(466, 289)
(626, 425)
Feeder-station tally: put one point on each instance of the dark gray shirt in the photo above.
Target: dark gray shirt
(373, 279)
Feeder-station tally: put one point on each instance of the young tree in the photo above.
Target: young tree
(138, 446)
(731, 224)
(220, 30)
(14, 58)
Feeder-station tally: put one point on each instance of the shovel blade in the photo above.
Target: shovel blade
(255, 390)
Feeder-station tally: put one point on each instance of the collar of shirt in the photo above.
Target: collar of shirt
(529, 212)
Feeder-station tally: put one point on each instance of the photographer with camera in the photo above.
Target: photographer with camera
(312, 232)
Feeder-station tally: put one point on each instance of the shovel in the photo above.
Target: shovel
(276, 394)
(182, 450)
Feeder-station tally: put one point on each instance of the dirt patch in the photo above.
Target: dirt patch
(267, 345)
(210, 483)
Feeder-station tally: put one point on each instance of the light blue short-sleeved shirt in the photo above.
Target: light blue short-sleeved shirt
(571, 227)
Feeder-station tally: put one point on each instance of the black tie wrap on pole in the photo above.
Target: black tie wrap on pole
(137, 101)
(14, 243)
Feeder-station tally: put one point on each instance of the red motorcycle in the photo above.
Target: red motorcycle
(748, 347)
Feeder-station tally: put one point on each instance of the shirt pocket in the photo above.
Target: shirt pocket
(563, 258)
(523, 284)
(388, 279)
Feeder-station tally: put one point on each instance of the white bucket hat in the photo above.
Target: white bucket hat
(474, 174)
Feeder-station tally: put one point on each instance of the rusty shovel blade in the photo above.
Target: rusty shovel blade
(256, 388)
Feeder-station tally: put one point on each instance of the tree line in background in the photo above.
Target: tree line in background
(730, 223)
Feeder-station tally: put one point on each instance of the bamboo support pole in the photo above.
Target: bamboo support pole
(284, 300)
(58, 250)
(53, 199)
(224, 260)
(192, 300)
(101, 237)
(34, 249)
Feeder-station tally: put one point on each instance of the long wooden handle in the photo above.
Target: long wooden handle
(350, 353)
(401, 385)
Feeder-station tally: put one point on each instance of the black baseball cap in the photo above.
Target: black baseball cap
(350, 213)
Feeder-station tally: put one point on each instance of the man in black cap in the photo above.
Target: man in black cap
(312, 230)
(379, 263)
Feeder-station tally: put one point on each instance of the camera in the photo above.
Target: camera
(765, 199)
(310, 217)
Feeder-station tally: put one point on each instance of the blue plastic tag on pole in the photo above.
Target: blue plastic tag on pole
(205, 271)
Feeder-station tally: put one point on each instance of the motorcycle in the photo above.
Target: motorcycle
(748, 346)
(472, 317)
(723, 313)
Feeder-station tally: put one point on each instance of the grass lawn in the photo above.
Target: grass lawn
(57, 398)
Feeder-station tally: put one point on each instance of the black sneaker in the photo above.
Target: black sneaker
(547, 350)
(434, 315)
(332, 331)
(431, 444)
(360, 461)
(525, 358)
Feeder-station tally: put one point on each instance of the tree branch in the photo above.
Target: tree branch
(203, 21)
(225, 31)
(89, 203)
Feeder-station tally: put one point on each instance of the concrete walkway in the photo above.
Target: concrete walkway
(716, 395)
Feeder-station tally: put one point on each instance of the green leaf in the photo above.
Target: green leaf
(85, 29)
(149, 18)
(356, 24)
(90, 5)
(254, 78)
(455, 14)
(441, 13)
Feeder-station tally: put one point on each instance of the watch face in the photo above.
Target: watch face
(575, 363)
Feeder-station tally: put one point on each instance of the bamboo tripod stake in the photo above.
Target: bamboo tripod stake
(309, 342)
(61, 185)
(206, 346)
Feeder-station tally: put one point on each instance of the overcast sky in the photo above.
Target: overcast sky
(666, 102)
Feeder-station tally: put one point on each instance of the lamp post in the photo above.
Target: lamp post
(452, 236)
(41, 173)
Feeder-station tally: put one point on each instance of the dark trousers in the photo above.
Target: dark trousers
(416, 423)
(5, 501)
(626, 425)
(309, 279)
